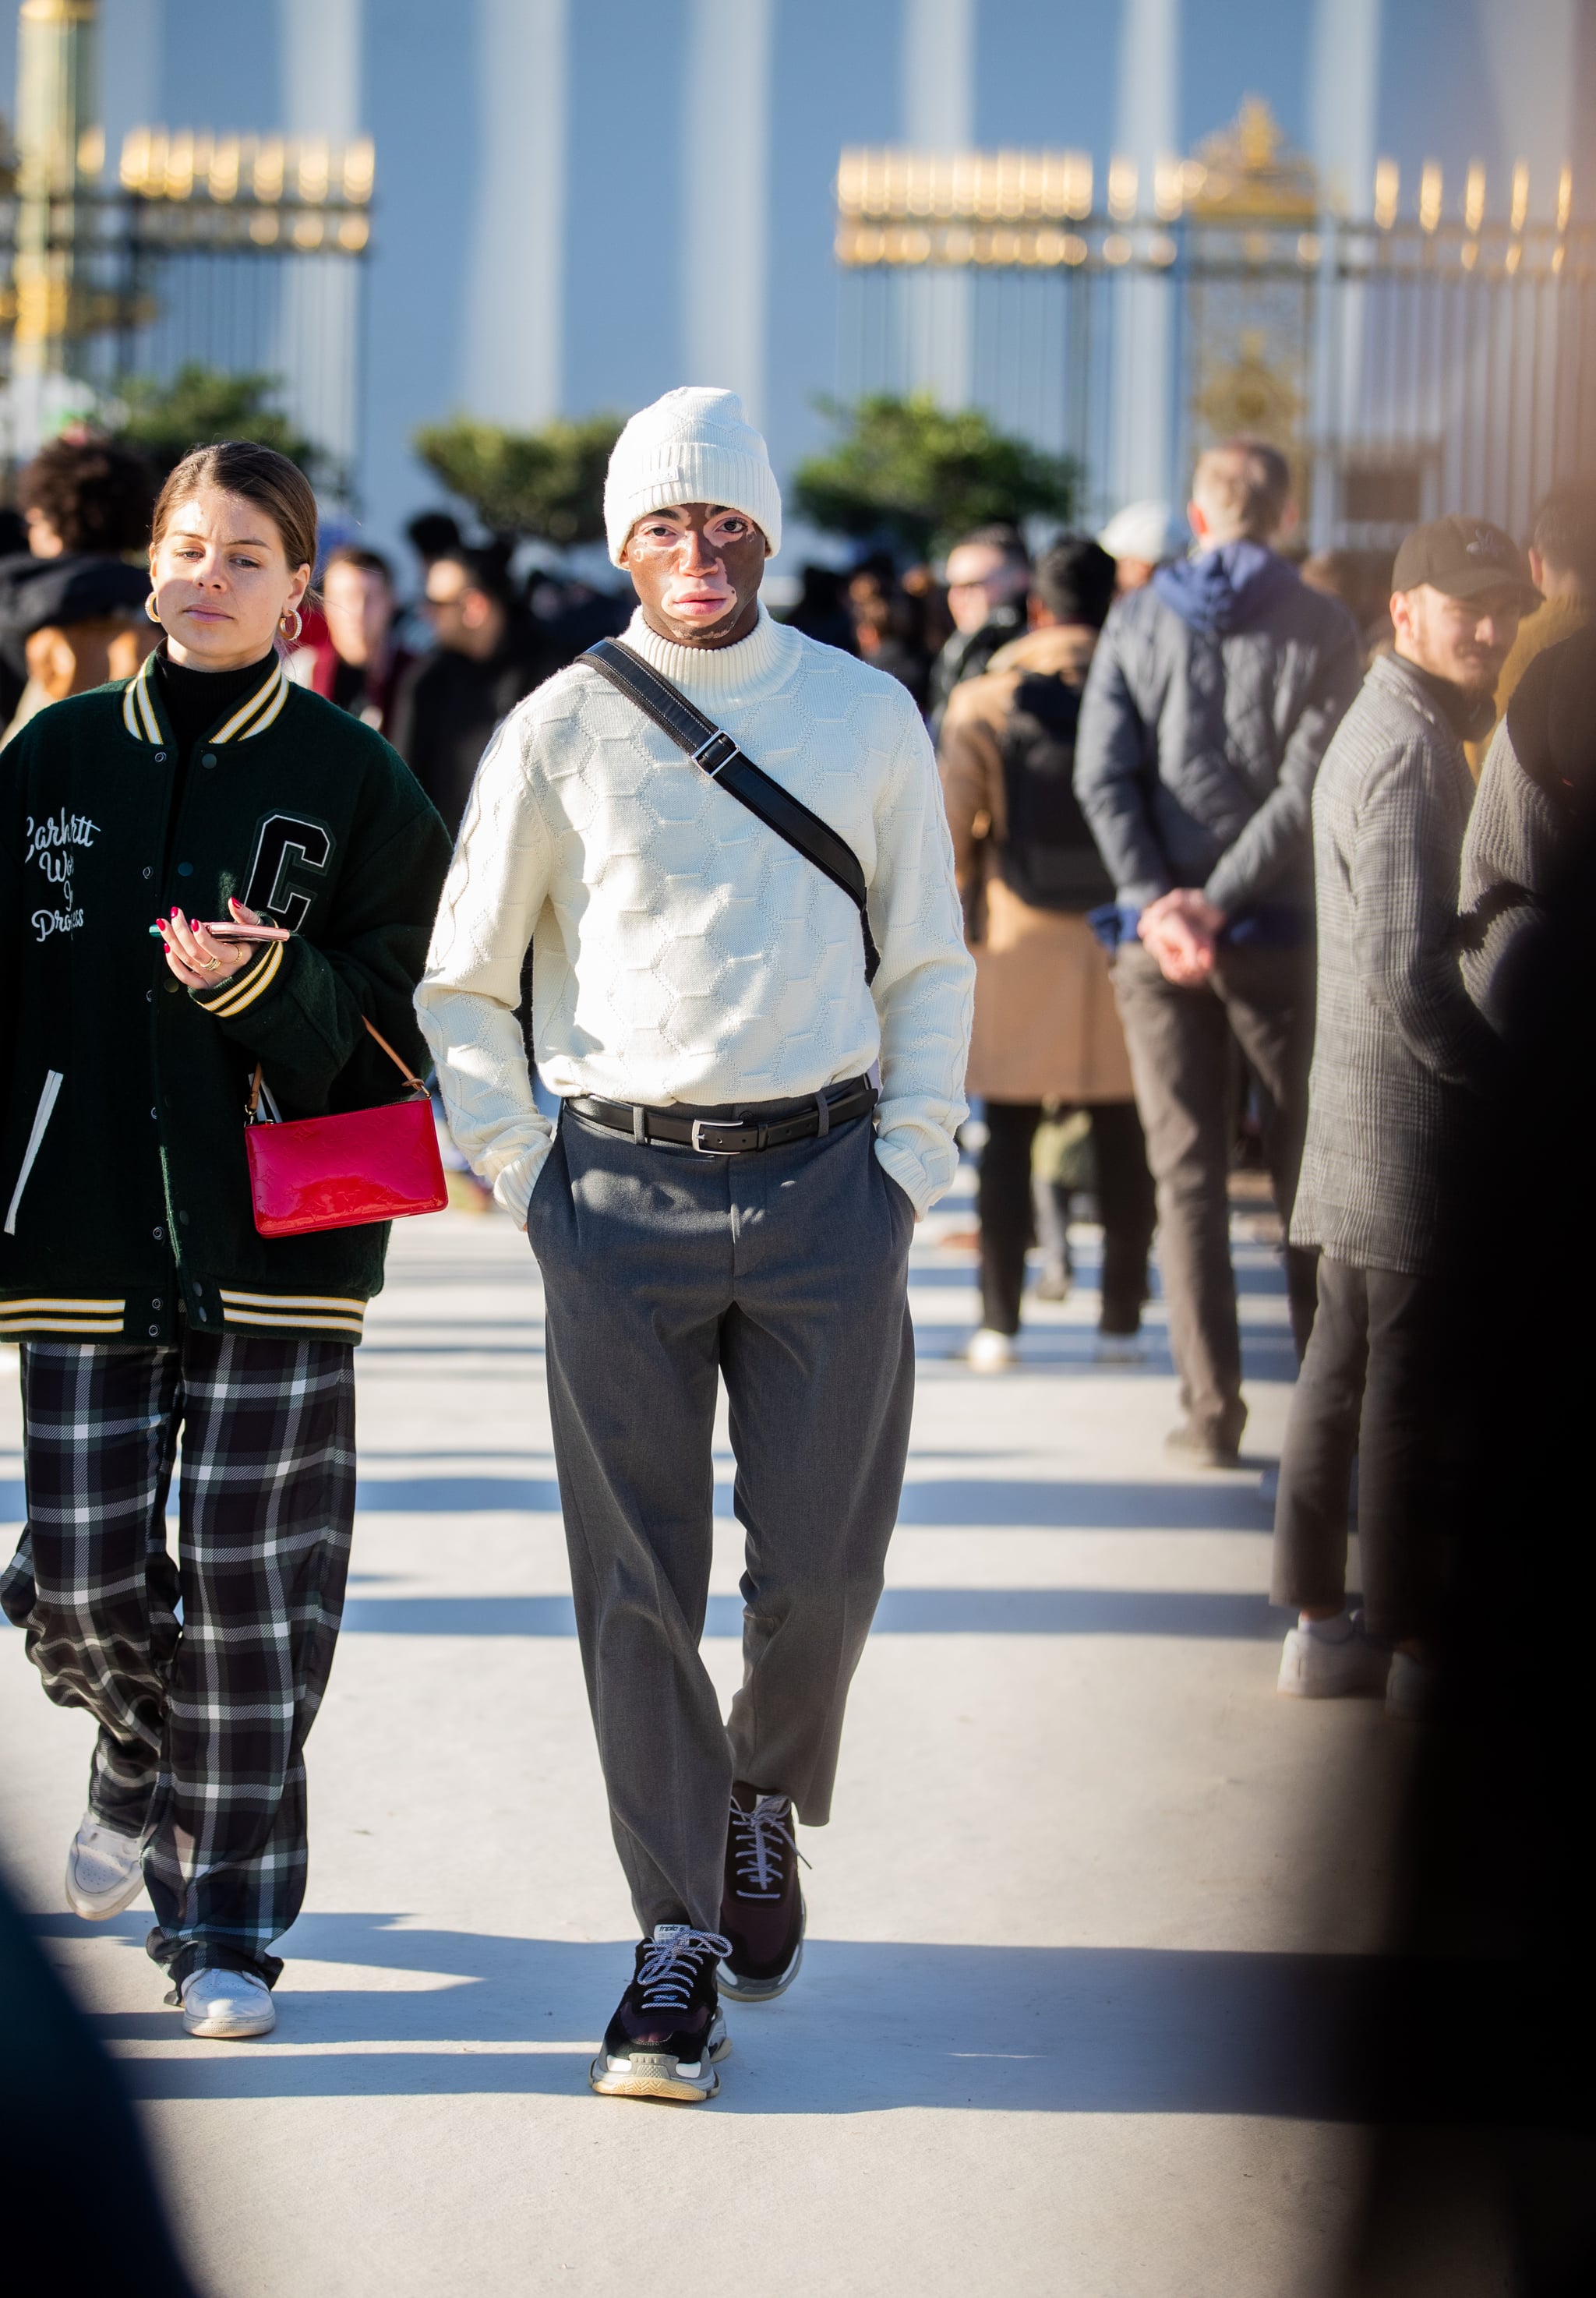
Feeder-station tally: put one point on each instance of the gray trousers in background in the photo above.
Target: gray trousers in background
(785, 1272)
(1374, 1383)
(1182, 1066)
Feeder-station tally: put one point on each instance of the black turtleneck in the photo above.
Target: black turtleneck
(195, 701)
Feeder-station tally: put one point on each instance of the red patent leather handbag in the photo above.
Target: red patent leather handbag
(337, 1172)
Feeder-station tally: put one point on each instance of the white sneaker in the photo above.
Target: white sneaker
(1318, 1666)
(1121, 1348)
(1409, 1688)
(227, 2004)
(104, 1871)
(989, 1352)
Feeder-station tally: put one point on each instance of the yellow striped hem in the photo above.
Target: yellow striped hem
(245, 987)
(71, 1305)
(43, 1324)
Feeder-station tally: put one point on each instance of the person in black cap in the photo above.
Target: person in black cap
(74, 622)
(1400, 1059)
(85, 506)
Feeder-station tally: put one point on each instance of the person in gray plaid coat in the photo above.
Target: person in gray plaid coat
(1400, 1055)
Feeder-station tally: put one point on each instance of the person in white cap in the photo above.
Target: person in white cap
(1139, 540)
(725, 843)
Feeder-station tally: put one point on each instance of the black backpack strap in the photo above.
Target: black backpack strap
(707, 746)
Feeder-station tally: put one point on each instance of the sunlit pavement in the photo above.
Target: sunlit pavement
(1092, 1899)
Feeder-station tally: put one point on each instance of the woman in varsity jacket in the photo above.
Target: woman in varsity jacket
(209, 788)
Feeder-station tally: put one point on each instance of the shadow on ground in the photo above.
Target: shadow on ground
(903, 1612)
(1220, 1503)
(870, 2027)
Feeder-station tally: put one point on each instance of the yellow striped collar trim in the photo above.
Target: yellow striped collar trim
(253, 716)
(138, 710)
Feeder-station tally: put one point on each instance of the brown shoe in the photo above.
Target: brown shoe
(762, 1907)
(1203, 1447)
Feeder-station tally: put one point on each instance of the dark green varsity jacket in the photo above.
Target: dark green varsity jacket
(123, 1184)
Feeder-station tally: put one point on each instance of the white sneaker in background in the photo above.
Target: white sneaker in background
(104, 1871)
(989, 1352)
(1331, 1659)
(1121, 1348)
(226, 2004)
(1409, 1688)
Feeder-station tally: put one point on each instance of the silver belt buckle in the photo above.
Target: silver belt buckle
(715, 1124)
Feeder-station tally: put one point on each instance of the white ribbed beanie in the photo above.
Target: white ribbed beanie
(693, 445)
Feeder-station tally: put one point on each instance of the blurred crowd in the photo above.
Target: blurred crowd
(433, 657)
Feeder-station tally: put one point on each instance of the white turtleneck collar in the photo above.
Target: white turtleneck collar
(715, 677)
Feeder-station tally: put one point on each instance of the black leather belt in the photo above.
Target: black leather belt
(769, 1126)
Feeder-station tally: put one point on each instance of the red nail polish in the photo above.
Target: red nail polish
(174, 913)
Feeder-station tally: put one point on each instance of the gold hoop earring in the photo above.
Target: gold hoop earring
(293, 616)
(151, 609)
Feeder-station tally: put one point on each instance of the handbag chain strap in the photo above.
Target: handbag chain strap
(252, 1107)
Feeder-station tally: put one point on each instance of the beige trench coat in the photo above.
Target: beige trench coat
(1046, 1026)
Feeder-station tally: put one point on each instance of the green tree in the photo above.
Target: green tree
(547, 485)
(907, 469)
(202, 405)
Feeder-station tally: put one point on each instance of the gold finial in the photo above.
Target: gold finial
(1249, 170)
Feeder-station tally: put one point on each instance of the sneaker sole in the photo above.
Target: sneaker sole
(229, 2030)
(101, 1908)
(653, 2075)
(758, 1990)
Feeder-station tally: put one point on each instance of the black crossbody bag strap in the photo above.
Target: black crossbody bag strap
(708, 746)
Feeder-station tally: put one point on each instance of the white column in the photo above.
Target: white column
(513, 353)
(132, 53)
(1343, 111)
(1147, 128)
(1343, 89)
(319, 315)
(939, 115)
(725, 124)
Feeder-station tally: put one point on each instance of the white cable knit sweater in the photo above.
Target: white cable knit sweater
(682, 951)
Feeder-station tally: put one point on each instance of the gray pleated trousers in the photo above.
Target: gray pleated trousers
(784, 1271)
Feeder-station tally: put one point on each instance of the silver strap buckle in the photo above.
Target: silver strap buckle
(715, 1124)
(701, 756)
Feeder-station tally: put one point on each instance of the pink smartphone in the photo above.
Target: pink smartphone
(229, 931)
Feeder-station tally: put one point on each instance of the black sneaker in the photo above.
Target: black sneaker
(762, 1907)
(668, 2033)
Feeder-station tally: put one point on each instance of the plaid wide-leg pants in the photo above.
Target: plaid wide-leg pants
(202, 1719)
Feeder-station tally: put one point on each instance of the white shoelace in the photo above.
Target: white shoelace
(756, 1836)
(667, 1972)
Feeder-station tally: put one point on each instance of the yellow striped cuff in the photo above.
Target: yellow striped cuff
(241, 989)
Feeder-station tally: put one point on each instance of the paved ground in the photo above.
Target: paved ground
(1092, 1894)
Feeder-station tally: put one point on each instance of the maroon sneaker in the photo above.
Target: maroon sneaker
(762, 1907)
